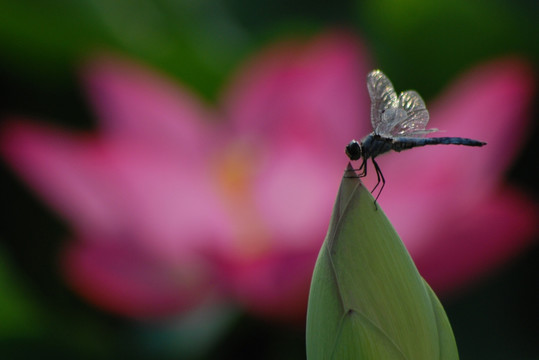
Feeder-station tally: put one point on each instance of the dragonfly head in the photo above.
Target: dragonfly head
(354, 150)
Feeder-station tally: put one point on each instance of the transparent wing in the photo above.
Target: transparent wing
(413, 116)
(384, 101)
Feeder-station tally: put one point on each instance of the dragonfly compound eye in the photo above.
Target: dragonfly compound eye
(353, 150)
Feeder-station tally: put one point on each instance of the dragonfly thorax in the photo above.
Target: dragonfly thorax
(354, 150)
(370, 147)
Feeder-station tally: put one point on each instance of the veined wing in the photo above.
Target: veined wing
(393, 116)
(416, 116)
(384, 101)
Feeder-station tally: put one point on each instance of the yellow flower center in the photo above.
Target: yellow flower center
(236, 174)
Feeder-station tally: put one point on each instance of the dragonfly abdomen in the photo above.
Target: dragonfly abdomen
(404, 143)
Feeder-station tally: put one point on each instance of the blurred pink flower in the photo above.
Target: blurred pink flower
(173, 205)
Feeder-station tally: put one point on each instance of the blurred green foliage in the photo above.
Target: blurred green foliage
(200, 42)
(19, 314)
(192, 40)
(425, 43)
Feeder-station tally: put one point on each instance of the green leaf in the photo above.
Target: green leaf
(367, 299)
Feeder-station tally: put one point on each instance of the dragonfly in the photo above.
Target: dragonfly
(398, 123)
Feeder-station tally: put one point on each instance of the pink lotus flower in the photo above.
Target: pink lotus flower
(173, 204)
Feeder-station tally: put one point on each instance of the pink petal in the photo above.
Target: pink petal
(120, 189)
(474, 242)
(125, 280)
(275, 285)
(491, 102)
(294, 195)
(311, 93)
(50, 161)
(134, 102)
(150, 216)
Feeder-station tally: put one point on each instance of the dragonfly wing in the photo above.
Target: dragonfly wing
(383, 98)
(416, 118)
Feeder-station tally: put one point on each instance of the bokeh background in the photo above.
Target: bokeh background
(200, 44)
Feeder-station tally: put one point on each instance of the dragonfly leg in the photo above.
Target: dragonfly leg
(363, 169)
(377, 169)
(381, 179)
